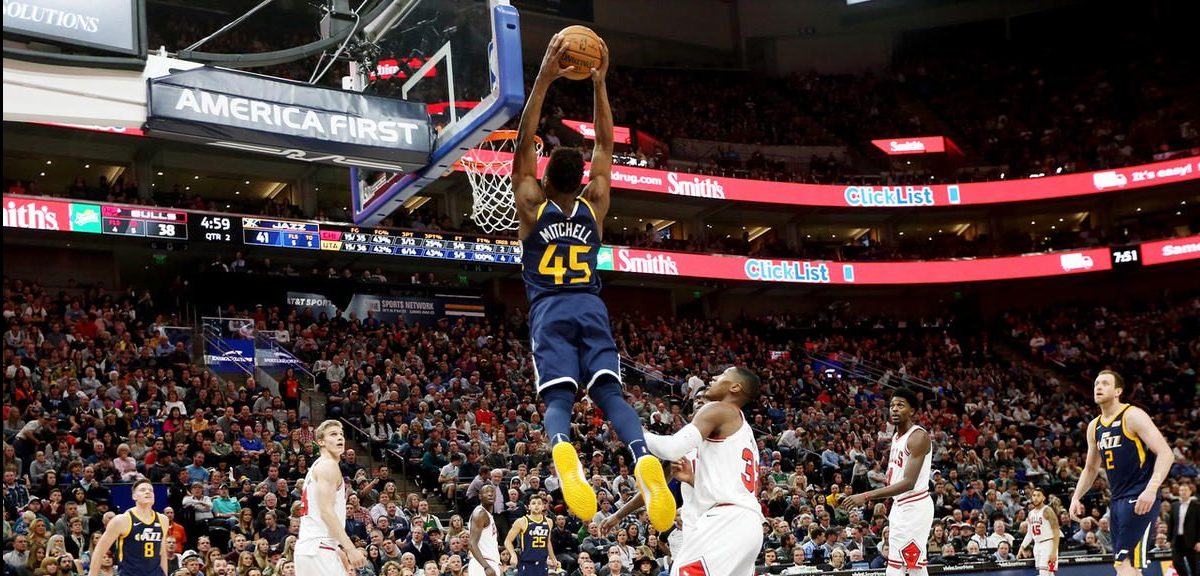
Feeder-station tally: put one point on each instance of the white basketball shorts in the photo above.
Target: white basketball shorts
(724, 541)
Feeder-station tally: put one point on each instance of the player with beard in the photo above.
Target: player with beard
(1136, 459)
(1043, 533)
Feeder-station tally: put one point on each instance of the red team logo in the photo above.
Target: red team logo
(911, 554)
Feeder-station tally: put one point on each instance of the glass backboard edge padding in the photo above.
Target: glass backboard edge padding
(502, 105)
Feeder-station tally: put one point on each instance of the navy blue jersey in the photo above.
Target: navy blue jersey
(560, 254)
(1124, 457)
(535, 540)
(139, 550)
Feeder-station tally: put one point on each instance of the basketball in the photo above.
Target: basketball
(583, 51)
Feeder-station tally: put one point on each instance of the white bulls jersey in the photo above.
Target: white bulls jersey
(727, 532)
(313, 531)
(898, 459)
(489, 547)
(1039, 527)
(726, 472)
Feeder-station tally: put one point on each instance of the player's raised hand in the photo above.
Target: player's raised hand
(552, 68)
(598, 74)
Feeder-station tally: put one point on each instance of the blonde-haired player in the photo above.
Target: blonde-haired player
(323, 539)
(139, 534)
(1043, 532)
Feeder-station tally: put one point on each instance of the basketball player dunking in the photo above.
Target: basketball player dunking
(684, 471)
(569, 332)
(139, 534)
(1043, 533)
(1118, 439)
(482, 542)
(727, 534)
(908, 471)
(323, 540)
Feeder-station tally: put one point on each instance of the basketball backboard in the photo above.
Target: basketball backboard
(462, 58)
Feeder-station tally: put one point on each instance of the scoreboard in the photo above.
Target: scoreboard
(238, 231)
(281, 233)
(418, 244)
(144, 222)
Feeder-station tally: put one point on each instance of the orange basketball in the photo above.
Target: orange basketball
(583, 51)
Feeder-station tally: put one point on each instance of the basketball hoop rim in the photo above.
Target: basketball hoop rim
(496, 136)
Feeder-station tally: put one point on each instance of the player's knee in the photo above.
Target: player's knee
(559, 393)
(606, 386)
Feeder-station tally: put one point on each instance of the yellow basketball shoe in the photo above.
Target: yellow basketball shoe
(660, 504)
(580, 497)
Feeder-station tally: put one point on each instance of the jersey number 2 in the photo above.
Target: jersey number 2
(552, 265)
(1108, 460)
(750, 475)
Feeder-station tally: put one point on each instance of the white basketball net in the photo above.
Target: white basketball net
(488, 167)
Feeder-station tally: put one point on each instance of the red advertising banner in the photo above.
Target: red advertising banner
(663, 263)
(94, 128)
(36, 213)
(1164, 251)
(996, 192)
(915, 145)
(621, 134)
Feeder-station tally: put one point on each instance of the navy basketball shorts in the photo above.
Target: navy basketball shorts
(532, 569)
(1130, 531)
(572, 340)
